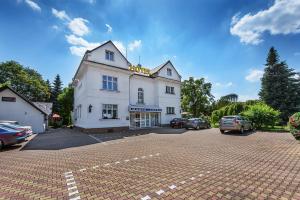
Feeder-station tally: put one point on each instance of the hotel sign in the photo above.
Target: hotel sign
(139, 69)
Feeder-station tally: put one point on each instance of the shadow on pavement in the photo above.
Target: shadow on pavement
(237, 133)
(59, 139)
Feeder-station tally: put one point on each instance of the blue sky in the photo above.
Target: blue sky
(224, 41)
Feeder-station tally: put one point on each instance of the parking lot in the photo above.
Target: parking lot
(153, 164)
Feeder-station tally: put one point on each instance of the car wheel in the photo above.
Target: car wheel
(197, 127)
(1, 144)
(222, 131)
(242, 130)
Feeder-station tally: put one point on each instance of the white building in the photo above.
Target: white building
(111, 94)
(15, 107)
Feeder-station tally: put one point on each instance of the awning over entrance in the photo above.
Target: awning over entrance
(143, 108)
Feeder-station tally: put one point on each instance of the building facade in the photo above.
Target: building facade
(15, 107)
(110, 93)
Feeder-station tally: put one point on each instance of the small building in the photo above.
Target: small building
(16, 107)
(112, 94)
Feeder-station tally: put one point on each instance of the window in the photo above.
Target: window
(9, 99)
(170, 90)
(170, 110)
(109, 111)
(109, 55)
(169, 72)
(109, 83)
(78, 112)
(140, 95)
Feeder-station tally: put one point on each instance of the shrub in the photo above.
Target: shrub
(261, 115)
(294, 124)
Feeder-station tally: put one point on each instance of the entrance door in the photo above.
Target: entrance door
(137, 120)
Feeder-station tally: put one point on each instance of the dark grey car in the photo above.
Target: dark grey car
(196, 123)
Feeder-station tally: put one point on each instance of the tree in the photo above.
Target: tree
(65, 100)
(48, 84)
(262, 115)
(196, 96)
(230, 97)
(56, 90)
(280, 87)
(26, 81)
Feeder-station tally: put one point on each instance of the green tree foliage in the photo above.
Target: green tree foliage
(65, 100)
(232, 109)
(280, 87)
(56, 90)
(196, 96)
(24, 80)
(230, 98)
(261, 115)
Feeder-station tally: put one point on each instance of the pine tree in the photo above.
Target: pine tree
(56, 90)
(280, 89)
(48, 84)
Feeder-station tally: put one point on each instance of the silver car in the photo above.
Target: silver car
(235, 123)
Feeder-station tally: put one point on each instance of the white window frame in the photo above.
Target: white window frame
(109, 55)
(170, 90)
(109, 83)
(170, 110)
(108, 111)
(140, 96)
(169, 71)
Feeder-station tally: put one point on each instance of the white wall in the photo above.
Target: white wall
(22, 112)
(148, 85)
(99, 56)
(168, 100)
(163, 72)
(94, 95)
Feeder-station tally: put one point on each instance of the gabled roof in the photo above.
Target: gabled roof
(22, 97)
(89, 51)
(158, 68)
(109, 41)
(45, 106)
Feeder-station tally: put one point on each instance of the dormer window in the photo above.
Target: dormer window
(169, 72)
(109, 55)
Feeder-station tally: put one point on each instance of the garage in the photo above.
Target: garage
(15, 107)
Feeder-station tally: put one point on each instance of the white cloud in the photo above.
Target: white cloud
(77, 51)
(120, 46)
(109, 28)
(283, 17)
(79, 45)
(78, 26)
(60, 14)
(55, 27)
(223, 85)
(134, 45)
(254, 75)
(33, 5)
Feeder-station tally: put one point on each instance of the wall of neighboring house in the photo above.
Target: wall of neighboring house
(22, 112)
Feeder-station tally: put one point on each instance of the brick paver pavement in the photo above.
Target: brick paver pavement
(172, 164)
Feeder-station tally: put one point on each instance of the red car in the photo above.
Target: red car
(10, 136)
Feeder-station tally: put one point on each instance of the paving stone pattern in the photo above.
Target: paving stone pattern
(157, 164)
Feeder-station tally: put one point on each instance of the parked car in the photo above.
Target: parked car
(8, 121)
(27, 129)
(235, 123)
(10, 136)
(178, 122)
(196, 123)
